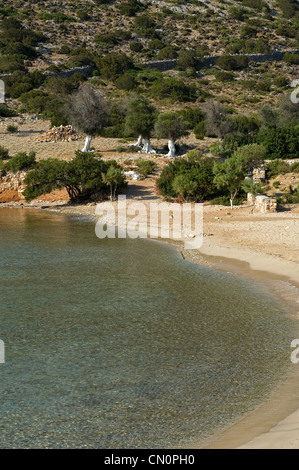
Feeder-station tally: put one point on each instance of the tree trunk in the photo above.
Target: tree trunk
(147, 147)
(114, 194)
(138, 143)
(231, 203)
(171, 148)
(87, 144)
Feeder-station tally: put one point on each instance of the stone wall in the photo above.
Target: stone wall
(210, 61)
(262, 203)
(68, 73)
(164, 65)
(64, 73)
(259, 175)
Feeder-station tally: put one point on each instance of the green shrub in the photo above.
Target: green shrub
(290, 198)
(199, 130)
(126, 82)
(48, 106)
(83, 177)
(14, 34)
(277, 167)
(10, 64)
(21, 161)
(37, 78)
(106, 38)
(136, 46)
(191, 116)
(145, 167)
(263, 85)
(291, 58)
(289, 8)
(187, 59)
(167, 53)
(225, 200)
(237, 13)
(11, 128)
(246, 124)
(130, 8)
(258, 46)
(8, 11)
(155, 44)
(3, 153)
(18, 83)
(145, 25)
(149, 76)
(144, 22)
(231, 63)
(6, 112)
(224, 76)
(195, 181)
(65, 49)
(281, 82)
(194, 155)
(280, 142)
(295, 167)
(112, 65)
(287, 30)
(81, 60)
(83, 15)
(173, 89)
(229, 144)
(115, 122)
(255, 4)
(59, 86)
(248, 32)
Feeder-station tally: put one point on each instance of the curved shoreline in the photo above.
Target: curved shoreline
(257, 429)
(275, 422)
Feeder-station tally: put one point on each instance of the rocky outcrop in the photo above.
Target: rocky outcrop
(12, 186)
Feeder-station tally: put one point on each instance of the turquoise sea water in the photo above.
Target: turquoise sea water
(123, 344)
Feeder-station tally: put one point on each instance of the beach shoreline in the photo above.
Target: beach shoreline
(274, 423)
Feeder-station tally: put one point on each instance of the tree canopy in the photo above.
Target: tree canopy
(170, 126)
(87, 110)
(140, 118)
(83, 177)
(230, 174)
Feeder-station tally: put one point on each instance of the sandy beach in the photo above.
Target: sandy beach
(262, 247)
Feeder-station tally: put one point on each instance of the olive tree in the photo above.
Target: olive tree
(216, 121)
(140, 120)
(170, 126)
(87, 112)
(253, 155)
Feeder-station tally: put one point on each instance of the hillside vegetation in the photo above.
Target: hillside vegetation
(237, 102)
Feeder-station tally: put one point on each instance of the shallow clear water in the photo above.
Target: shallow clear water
(121, 343)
